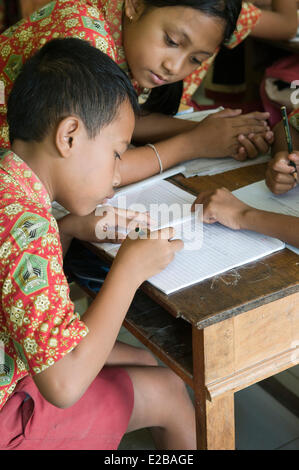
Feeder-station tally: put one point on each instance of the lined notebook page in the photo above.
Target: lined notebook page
(163, 200)
(222, 249)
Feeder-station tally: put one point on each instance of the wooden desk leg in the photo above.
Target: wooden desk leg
(215, 420)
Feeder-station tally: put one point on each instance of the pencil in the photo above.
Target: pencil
(289, 138)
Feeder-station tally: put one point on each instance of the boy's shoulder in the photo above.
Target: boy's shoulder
(25, 212)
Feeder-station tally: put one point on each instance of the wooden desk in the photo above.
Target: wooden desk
(227, 332)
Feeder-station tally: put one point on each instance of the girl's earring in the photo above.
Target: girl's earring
(131, 18)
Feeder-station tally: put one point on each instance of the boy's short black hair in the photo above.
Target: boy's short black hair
(66, 77)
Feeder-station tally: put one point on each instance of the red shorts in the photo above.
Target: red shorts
(97, 421)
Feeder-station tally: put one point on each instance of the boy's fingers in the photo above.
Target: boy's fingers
(166, 233)
(129, 214)
(281, 188)
(282, 167)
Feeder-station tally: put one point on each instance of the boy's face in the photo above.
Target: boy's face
(165, 45)
(93, 168)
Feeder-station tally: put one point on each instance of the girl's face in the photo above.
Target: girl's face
(165, 45)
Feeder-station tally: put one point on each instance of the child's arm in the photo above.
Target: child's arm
(216, 136)
(279, 175)
(223, 207)
(107, 224)
(280, 23)
(64, 382)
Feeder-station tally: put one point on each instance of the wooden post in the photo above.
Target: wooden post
(215, 420)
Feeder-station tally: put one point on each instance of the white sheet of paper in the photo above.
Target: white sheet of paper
(223, 249)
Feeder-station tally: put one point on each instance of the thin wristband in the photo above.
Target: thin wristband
(157, 155)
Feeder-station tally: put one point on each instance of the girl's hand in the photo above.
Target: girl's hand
(218, 135)
(279, 174)
(223, 207)
(145, 254)
(106, 224)
(254, 145)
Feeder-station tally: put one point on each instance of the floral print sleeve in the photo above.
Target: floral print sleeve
(38, 325)
(248, 18)
(57, 19)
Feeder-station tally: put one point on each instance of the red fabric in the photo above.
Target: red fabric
(96, 422)
(38, 322)
(287, 70)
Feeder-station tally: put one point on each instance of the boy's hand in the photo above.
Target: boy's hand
(279, 174)
(145, 254)
(219, 133)
(106, 224)
(223, 207)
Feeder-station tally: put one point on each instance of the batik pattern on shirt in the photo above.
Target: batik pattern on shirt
(100, 23)
(38, 325)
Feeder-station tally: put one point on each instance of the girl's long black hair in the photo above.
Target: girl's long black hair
(12, 13)
(166, 99)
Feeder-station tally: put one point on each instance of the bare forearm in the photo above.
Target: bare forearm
(280, 226)
(141, 162)
(70, 377)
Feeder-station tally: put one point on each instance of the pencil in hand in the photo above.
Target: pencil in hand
(289, 139)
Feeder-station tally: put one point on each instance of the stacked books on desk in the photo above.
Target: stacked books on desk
(218, 250)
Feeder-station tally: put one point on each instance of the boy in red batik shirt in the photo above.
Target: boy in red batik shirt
(65, 383)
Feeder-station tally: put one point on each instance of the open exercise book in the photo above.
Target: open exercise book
(216, 250)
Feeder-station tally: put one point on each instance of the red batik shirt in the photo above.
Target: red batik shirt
(38, 325)
(100, 23)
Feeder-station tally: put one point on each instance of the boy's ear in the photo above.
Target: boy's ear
(133, 9)
(68, 130)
